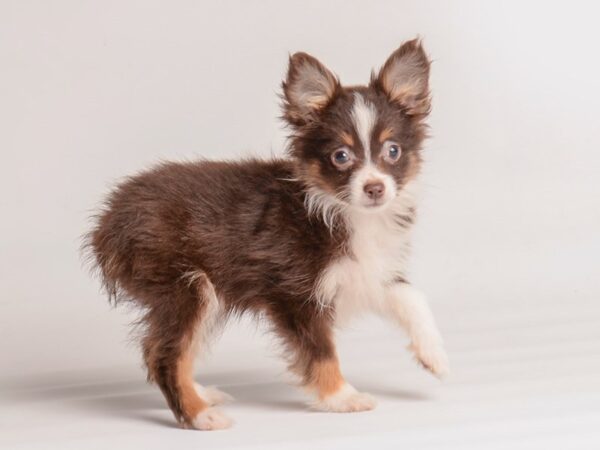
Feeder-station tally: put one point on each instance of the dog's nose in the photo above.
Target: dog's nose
(374, 190)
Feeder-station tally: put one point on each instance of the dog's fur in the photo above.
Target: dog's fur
(305, 241)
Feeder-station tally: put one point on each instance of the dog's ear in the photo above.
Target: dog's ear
(307, 89)
(405, 78)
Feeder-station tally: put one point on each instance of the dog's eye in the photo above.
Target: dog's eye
(341, 158)
(391, 152)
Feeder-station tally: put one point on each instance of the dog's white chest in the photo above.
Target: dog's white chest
(357, 282)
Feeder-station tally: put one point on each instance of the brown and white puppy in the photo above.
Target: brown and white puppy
(305, 241)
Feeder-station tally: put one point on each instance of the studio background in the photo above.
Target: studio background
(506, 245)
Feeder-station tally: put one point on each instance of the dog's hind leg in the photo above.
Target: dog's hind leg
(175, 329)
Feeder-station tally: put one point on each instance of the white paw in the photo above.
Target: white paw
(432, 356)
(211, 419)
(347, 399)
(212, 395)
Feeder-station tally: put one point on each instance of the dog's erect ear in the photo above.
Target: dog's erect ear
(405, 78)
(307, 89)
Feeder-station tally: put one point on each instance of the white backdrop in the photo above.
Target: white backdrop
(92, 91)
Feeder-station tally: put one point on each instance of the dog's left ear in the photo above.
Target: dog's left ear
(405, 78)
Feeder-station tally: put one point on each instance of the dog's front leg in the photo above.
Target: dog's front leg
(308, 335)
(408, 306)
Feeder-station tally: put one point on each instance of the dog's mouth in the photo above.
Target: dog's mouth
(374, 205)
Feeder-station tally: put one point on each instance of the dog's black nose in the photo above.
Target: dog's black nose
(374, 190)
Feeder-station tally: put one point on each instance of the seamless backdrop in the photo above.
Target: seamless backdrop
(507, 243)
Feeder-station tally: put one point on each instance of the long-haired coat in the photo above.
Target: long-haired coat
(305, 241)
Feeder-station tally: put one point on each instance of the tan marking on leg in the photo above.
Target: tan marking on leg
(333, 393)
(325, 377)
(191, 402)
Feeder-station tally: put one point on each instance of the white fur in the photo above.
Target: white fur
(409, 306)
(209, 320)
(370, 173)
(377, 254)
(211, 419)
(362, 281)
(210, 315)
(318, 202)
(364, 116)
(346, 399)
(212, 395)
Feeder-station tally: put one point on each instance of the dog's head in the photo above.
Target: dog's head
(358, 146)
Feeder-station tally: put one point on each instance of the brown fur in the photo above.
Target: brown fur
(165, 223)
(167, 236)
(322, 129)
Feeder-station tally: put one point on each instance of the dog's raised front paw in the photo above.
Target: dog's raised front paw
(432, 356)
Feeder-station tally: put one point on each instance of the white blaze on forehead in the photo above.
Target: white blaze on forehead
(364, 116)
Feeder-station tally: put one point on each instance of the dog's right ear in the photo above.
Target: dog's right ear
(307, 89)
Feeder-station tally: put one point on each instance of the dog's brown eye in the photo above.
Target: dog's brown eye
(391, 152)
(341, 158)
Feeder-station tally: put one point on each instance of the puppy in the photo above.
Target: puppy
(305, 242)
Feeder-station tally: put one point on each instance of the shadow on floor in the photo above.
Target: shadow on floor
(111, 394)
(123, 396)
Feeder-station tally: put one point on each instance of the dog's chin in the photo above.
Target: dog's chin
(372, 207)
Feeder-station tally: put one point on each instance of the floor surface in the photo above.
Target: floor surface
(522, 378)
